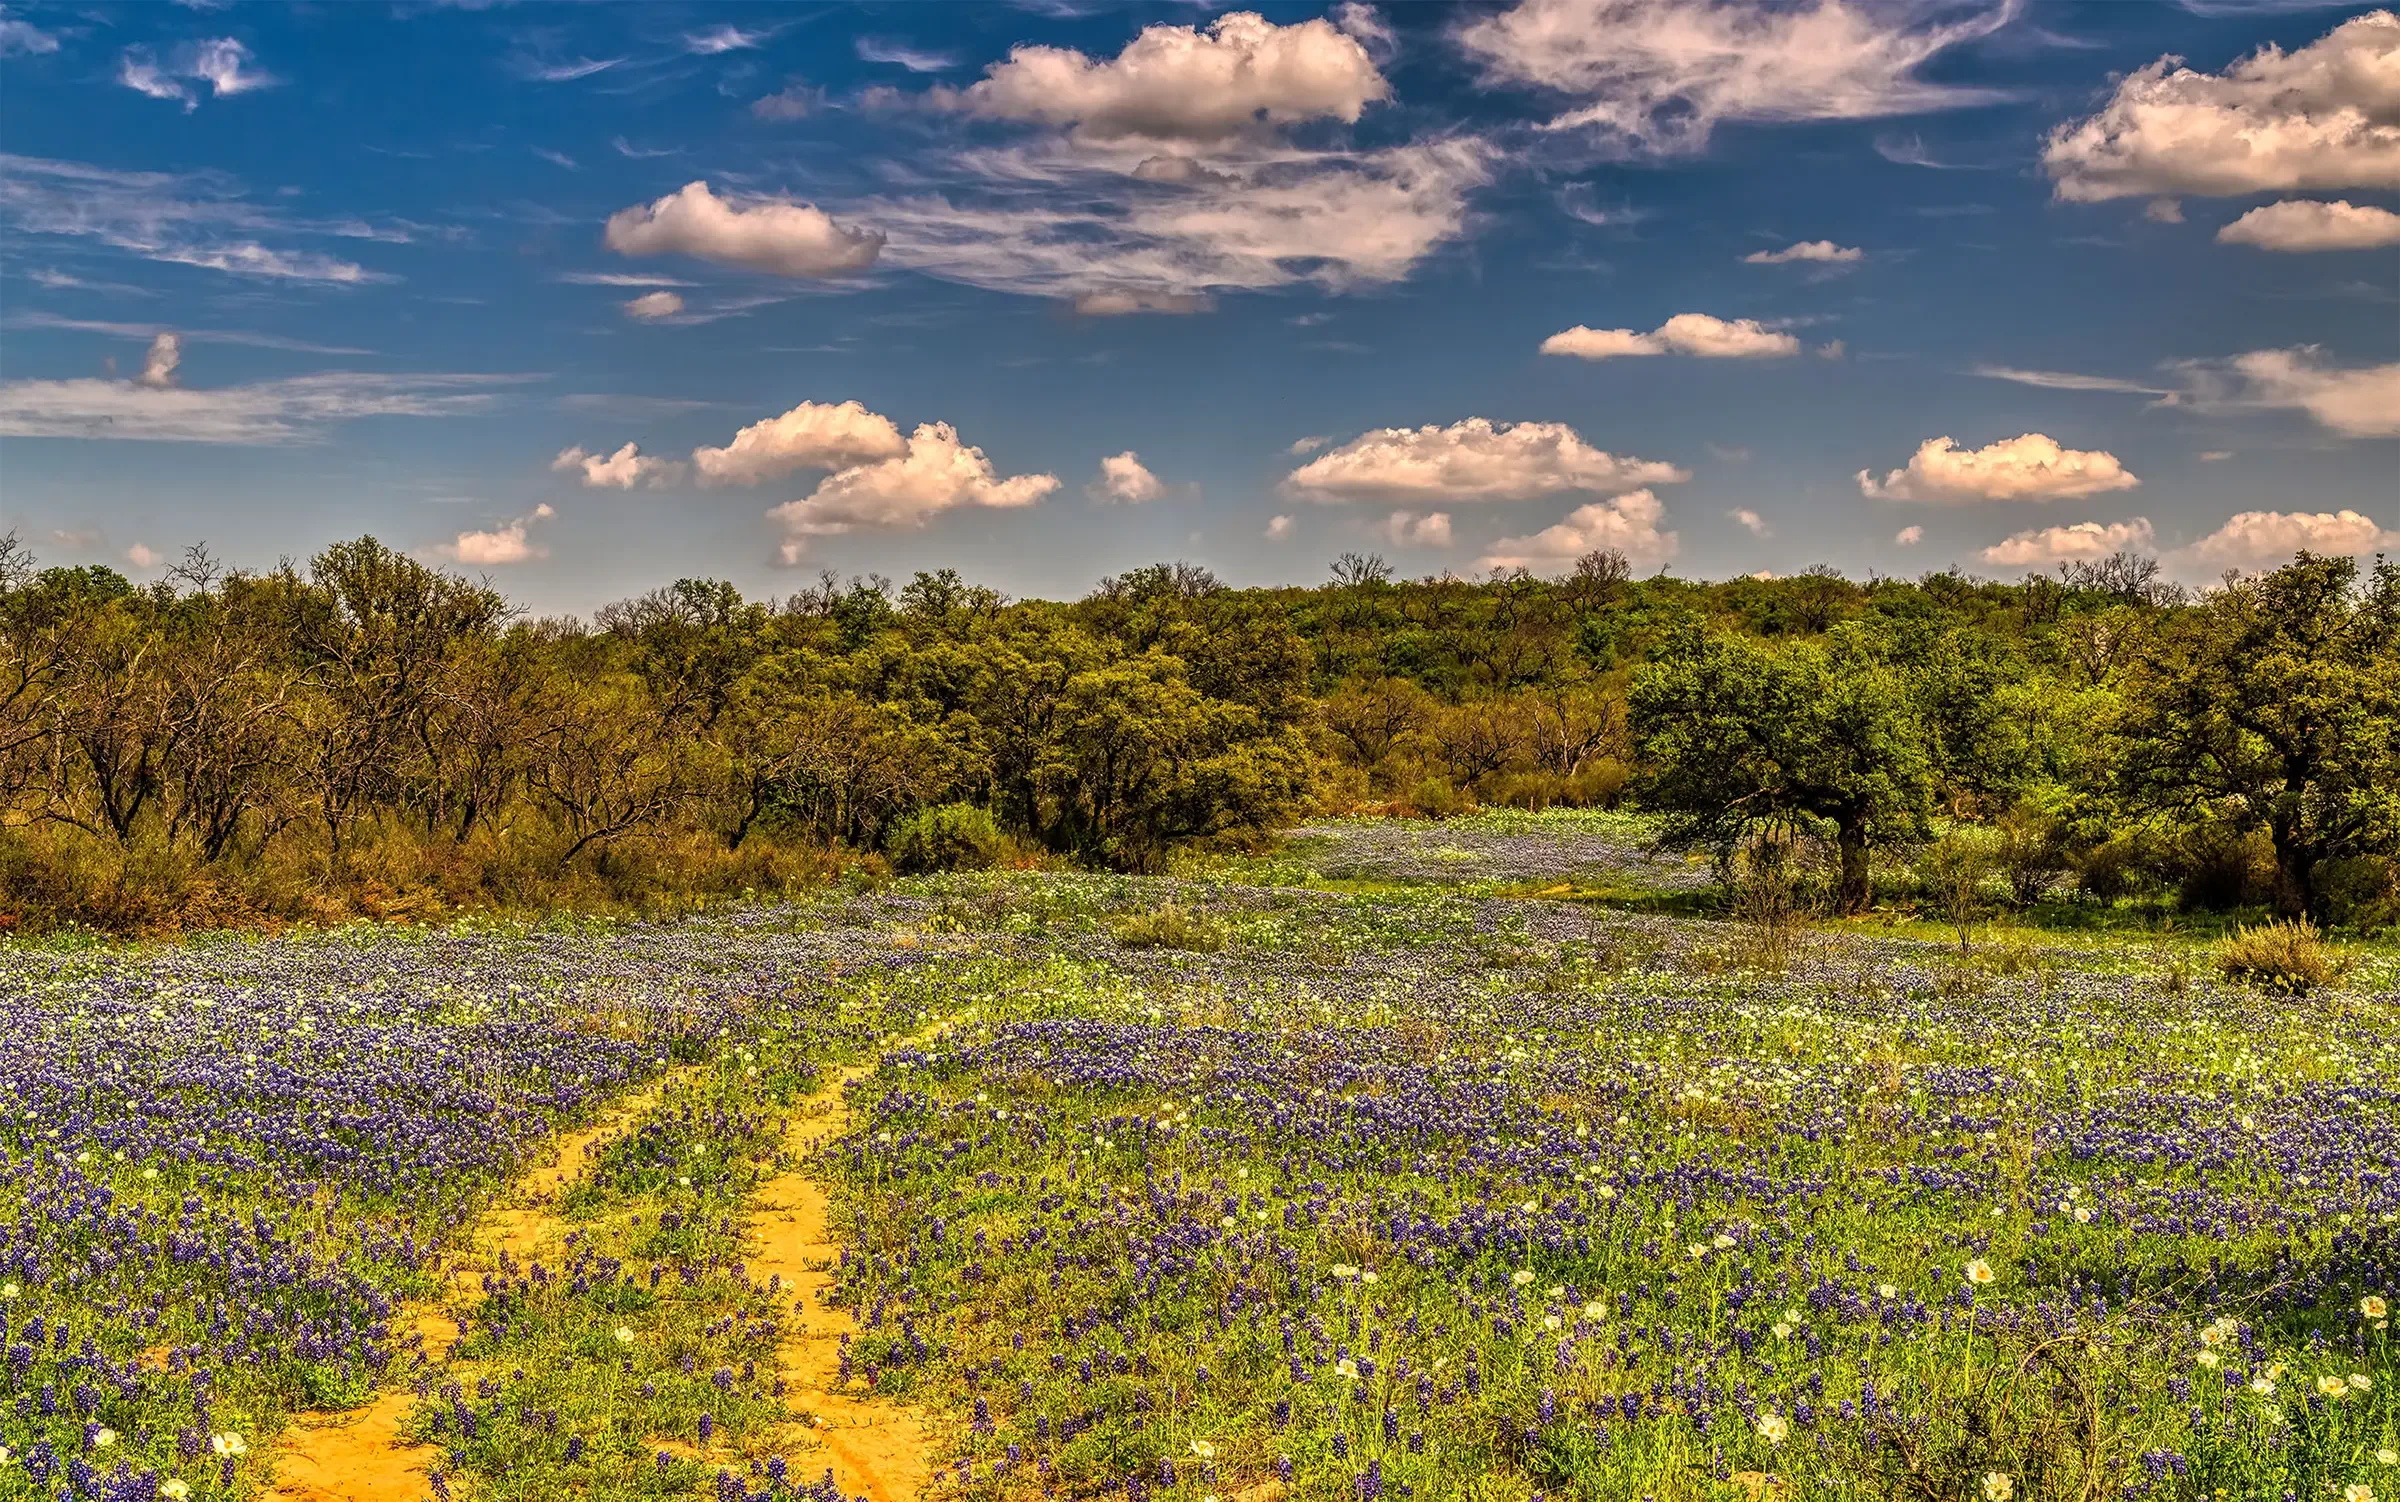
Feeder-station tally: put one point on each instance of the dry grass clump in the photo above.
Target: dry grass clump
(1170, 926)
(2283, 959)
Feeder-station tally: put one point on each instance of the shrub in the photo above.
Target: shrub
(1438, 798)
(2221, 869)
(947, 837)
(2031, 852)
(1950, 874)
(2361, 892)
(2284, 959)
(2116, 867)
(1600, 784)
(1169, 926)
(1769, 891)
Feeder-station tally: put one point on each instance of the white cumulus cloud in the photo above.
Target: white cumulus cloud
(796, 100)
(1751, 522)
(1278, 528)
(2030, 467)
(1124, 477)
(510, 542)
(1695, 334)
(142, 555)
(2046, 545)
(1409, 529)
(2357, 401)
(2325, 116)
(622, 470)
(1659, 76)
(653, 305)
(1184, 82)
(813, 435)
(767, 234)
(937, 473)
(1909, 537)
(1629, 523)
(159, 361)
(2257, 538)
(24, 37)
(1824, 251)
(2301, 224)
(1474, 460)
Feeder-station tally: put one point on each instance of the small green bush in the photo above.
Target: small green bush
(1438, 798)
(2361, 892)
(2221, 870)
(947, 837)
(1170, 926)
(2284, 959)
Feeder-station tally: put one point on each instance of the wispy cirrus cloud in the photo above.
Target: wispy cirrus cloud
(1093, 230)
(62, 281)
(1656, 77)
(902, 55)
(2067, 380)
(223, 64)
(1155, 180)
(23, 38)
(117, 330)
(620, 279)
(188, 219)
(560, 70)
(299, 409)
(717, 40)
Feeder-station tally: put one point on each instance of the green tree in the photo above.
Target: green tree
(2275, 705)
(1741, 738)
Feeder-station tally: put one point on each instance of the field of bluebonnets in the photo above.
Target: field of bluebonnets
(1343, 1173)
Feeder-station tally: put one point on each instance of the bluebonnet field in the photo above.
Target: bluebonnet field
(1333, 1176)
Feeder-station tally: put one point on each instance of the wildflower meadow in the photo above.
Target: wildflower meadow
(1361, 1173)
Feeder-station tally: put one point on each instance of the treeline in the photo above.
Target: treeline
(366, 734)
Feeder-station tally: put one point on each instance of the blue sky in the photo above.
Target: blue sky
(1046, 292)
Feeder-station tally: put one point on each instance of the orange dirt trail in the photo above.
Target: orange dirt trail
(358, 1455)
(876, 1448)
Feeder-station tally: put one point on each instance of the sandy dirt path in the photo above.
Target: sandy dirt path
(358, 1454)
(876, 1449)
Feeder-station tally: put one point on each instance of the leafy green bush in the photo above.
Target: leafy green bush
(2220, 869)
(1438, 798)
(2031, 851)
(947, 837)
(2119, 866)
(2284, 959)
(2361, 892)
(1169, 926)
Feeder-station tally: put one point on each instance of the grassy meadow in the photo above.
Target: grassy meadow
(1434, 1160)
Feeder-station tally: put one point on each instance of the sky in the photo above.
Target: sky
(586, 298)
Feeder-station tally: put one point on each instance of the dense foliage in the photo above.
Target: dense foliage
(370, 735)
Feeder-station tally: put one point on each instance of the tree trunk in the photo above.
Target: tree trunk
(1857, 889)
(2295, 896)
